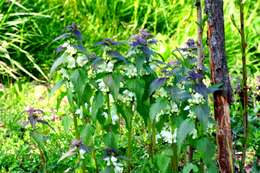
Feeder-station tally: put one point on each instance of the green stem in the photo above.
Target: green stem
(75, 121)
(129, 149)
(153, 138)
(174, 158)
(95, 160)
(245, 94)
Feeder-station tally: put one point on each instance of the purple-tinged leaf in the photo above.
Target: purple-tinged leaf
(116, 55)
(107, 42)
(193, 75)
(69, 153)
(63, 36)
(157, 83)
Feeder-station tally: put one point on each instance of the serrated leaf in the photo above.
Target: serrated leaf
(157, 83)
(207, 150)
(66, 123)
(97, 104)
(56, 87)
(202, 112)
(163, 161)
(69, 153)
(189, 167)
(185, 128)
(57, 63)
(215, 87)
(87, 133)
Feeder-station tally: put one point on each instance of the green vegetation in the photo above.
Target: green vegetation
(85, 88)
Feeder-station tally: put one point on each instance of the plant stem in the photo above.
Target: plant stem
(174, 157)
(245, 94)
(95, 160)
(129, 149)
(200, 64)
(75, 121)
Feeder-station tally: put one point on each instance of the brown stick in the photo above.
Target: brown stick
(219, 74)
(245, 94)
(200, 34)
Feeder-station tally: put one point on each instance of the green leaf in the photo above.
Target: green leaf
(66, 123)
(202, 112)
(157, 107)
(113, 82)
(97, 104)
(110, 140)
(56, 87)
(163, 161)
(206, 149)
(185, 128)
(188, 167)
(87, 134)
(79, 80)
(157, 83)
(215, 87)
(57, 63)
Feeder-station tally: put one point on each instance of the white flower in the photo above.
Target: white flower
(105, 67)
(175, 135)
(71, 62)
(187, 108)
(105, 115)
(160, 93)
(110, 66)
(71, 50)
(174, 107)
(131, 71)
(112, 161)
(197, 98)
(102, 86)
(167, 136)
(82, 60)
(79, 112)
(82, 152)
(194, 134)
(127, 96)
(64, 73)
(192, 115)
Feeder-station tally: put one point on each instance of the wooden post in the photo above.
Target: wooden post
(219, 74)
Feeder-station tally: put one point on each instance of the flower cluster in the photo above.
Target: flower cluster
(167, 136)
(131, 71)
(197, 98)
(112, 161)
(127, 96)
(105, 67)
(102, 86)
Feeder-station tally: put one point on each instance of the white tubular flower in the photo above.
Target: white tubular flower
(64, 74)
(127, 96)
(81, 60)
(71, 62)
(175, 135)
(79, 112)
(105, 67)
(160, 93)
(112, 161)
(102, 86)
(109, 66)
(197, 98)
(192, 115)
(105, 115)
(167, 136)
(187, 108)
(194, 134)
(71, 50)
(101, 68)
(174, 107)
(131, 71)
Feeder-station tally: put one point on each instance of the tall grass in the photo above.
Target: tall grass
(174, 21)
